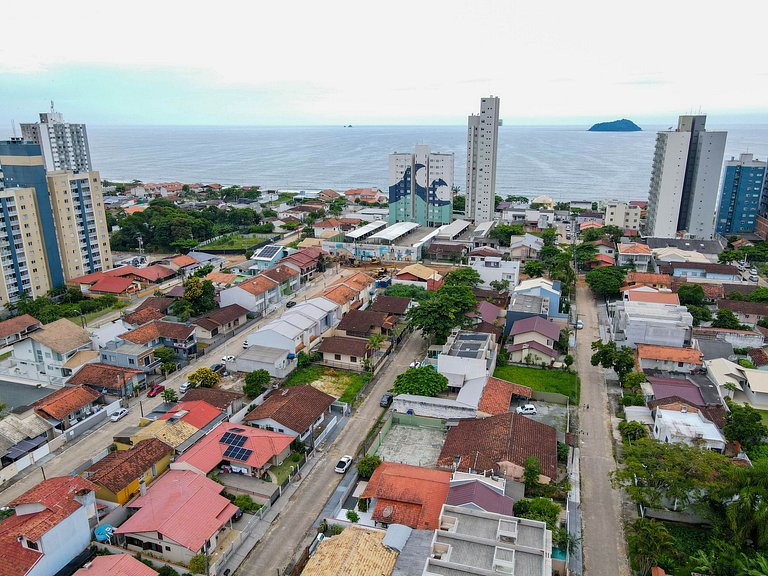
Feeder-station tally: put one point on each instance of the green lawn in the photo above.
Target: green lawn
(338, 383)
(282, 471)
(233, 242)
(541, 380)
(91, 316)
(764, 416)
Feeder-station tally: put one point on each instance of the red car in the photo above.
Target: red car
(155, 390)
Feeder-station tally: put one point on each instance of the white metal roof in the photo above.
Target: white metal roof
(284, 328)
(395, 231)
(450, 231)
(482, 229)
(298, 320)
(367, 229)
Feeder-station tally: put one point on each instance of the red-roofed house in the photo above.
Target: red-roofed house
(255, 294)
(221, 321)
(65, 407)
(533, 339)
(297, 411)
(245, 449)
(17, 328)
(49, 528)
(498, 395)
(179, 513)
(304, 261)
(409, 495)
(634, 254)
(180, 337)
(113, 286)
(669, 358)
(197, 413)
(115, 565)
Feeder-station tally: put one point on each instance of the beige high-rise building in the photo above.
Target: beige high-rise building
(625, 216)
(81, 224)
(22, 252)
(482, 143)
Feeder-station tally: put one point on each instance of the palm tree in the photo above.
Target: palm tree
(375, 341)
(649, 541)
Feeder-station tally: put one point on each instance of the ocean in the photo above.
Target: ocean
(564, 162)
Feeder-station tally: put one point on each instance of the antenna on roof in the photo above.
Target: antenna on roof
(52, 108)
(13, 127)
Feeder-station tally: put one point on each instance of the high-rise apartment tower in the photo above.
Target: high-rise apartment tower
(482, 144)
(64, 146)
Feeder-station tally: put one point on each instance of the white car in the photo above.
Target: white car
(415, 364)
(754, 278)
(527, 409)
(117, 414)
(343, 465)
(245, 343)
(753, 271)
(579, 324)
(226, 359)
(184, 387)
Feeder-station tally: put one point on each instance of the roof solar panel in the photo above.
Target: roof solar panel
(237, 453)
(268, 251)
(233, 439)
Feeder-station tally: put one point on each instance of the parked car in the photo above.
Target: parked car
(579, 324)
(245, 343)
(290, 304)
(527, 409)
(226, 359)
(741, 267)
(155, 390)
(117, 414)
(218, 367)
(754, 278)
(754, 271)
(386, 400)
(343, 465)
(184, 387)
(415, 364)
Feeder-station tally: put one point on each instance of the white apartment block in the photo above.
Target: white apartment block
(64, 146)
(623, 215)
(493, 268)
(482, 144)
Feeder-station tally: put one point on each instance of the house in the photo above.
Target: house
(633, 323)
(268, 256)
(698, 390)
(500, 444)
(736, 338)
(525, 306)
(350, 293)
(281, 334)
(42, 356)
(601, 260)
(524, 248)
(533, 339)
(183, 264)
(658, 281)
(220, 321)
(181, 515)
(107, 379)
(21, 432)
(645, 294)
(17, 328)
(67, 406)
(494, 269)
(481, 253)
(296, 411)
(589, 224)
(477, 542)
(221, 280)
(179, 337)
(749, 313)
(322, 311)
(634, 254)
(124, 354)
(355, 551)
(255, 294)
(418, 275)
(345, 352)
(708, 270)
(178, 434)
(466, 359)
(123, 474)
(244, 449)
(499, 298)
(729, 376)
(709, 248)
(479, 493)
(498, 395)
(676, 422)
(196, 413)
(206, 259)
(394, 305)
(288, 279)
(115, 565)
(408, 495)
(279, 362)
(328, 195)
(369, 195)
(671, 254)
(605, 247)
(159, 303)
(140, 317)
(50, 526)
(668, 358)
(304, 261)
(543, 288)
(365, 323)
(332, 225)
(227, 401)
(446, 252)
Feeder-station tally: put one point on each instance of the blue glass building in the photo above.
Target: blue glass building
(740, 195)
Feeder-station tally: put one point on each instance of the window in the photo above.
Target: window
(353, 358)
(337, 356)
(32, 545)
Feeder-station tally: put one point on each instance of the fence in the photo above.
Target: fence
(418, 421)
(114, 549)
(554, 397)
(378, 437)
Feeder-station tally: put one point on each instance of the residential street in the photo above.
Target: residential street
(94, 441)
(603, 542)
(289, 534)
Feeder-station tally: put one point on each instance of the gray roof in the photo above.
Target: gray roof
(204, 256)
(703, 246)
(397, 536)
(259, 353)
(708, 389)
(715, 349)
(15, 394)
(411, 560)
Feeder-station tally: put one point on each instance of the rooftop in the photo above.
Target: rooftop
(633, 248)
(118, 469)
(296, 407)
(481, 495)
(216, 397)
(357, 551)
(367, 229)
(115, 565)
(536, 324)
(157, 329)
(61, 336)
(658, 297)
(420, 271)
(142, 316)
(390, 304)
(103, 376)
(65, 401)
(18, 324)
(346, 345)
(365, 321)
(669, 353)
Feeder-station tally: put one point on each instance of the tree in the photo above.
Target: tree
(632, 431)
(407, 291)
(692, 294)
(164, 354)
(744, 424)
(549, 236)
(533, 268)
(459, 203)
(504, 232)
(425, 381)
(203, 271)
(633, 379)
(353, 516)
(375, 341)
(464, 276)
(443, 312)
(204, 377)
(649, 541)
(517, 199)
(540, 509)
(700, 314)
(198, 295)
(169, 395)
(500, 285)
(168, 367)
(613, 232)
(606, 281)
(621, 360)
(198, 564)
(531, 472)
(591, 234)
(727, 320)
(367, 466)
(584, 254)
(727, 256)
(759, 295)
(255, 382)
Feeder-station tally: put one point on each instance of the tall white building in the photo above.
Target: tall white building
(420, 187)
(625, 216)
(685, 179)
(64, 146)
(482, 144)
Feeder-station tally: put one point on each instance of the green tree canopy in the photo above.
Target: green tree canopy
(459, 203)
(504, 232)
(170, 395)
(533, 268)
(164, 354)
(744, 424)
(443, 312)
(621, 360)
(204, 377)
(255, 381)
(700, 314)
(650, 542)
(540, 509)
(408, 291)
(463, 276)
(692, 294)
(424, 381)
(727, 320)
(531, 472)
(367, 465)
(759, 295)
(606, 281)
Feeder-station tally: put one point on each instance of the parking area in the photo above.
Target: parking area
(412, 445)
(555, 415)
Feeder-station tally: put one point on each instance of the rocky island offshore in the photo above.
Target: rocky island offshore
(622, 125)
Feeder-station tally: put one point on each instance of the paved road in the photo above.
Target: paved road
(289, 534)
(91, 443)
(603, 542)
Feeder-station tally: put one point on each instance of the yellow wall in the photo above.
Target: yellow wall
(132, 489)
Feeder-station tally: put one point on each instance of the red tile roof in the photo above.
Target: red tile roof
(408, 495)
(743, 307)
(216, 397)
(759, 356)
(657, 297)
(391, 304)
(184, 260)
(669, 353)
(497, 395)
(112, 285)
(280, 273)
(347, 345)
(648, 278)
(116, 565)
(184, 506)
(221, 277)
(103, 376)
(65, 401)
(365, 321)
(156, 329)
(225, 315)
(142, 316)
(198, 413)
(483, 444)
(634, 248)
(160, 303)
(17, 324)
(257, 285)
(208, 452)
(118, 469)
(296, 407)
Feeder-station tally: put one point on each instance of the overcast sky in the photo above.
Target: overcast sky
(390, 62)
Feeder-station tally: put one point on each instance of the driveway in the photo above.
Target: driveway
(603, 543)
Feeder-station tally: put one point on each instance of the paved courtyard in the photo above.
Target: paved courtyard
(551, 414)
(412, 445)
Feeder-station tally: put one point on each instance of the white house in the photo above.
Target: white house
(745, 384)
(280, 334)
(321, 310)
(494, 269)
(681, 423)
(50, 526)
(297, 411)
(279, 362)
(256, 294)
(466, 359)
(46, 353)
(634, 323)
(268, 256)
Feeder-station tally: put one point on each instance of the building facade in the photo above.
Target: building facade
(64, 146)
(482, 144)
(625, 216)
(81, 223)
(420, 186)
(684, 180)
(740, 195)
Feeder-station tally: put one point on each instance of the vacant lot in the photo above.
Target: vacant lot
(412, 445)
(233, 242)
(338, 383)
(541, 380)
